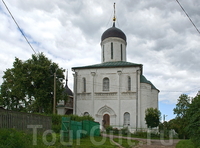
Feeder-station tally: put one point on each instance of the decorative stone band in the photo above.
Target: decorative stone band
(106, 93)
(128, 93)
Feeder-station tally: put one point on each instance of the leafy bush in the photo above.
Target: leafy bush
(140, 134)
(79, 118)
(185, 144)
(109, 129)
(125, 131)
(11, 138)
(116, 131)
(193, 116)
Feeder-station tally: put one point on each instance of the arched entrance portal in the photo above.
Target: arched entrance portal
(106, 120)
(106, 115)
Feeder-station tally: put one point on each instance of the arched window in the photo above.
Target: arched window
(86, 114)
(105, 84)
(129, 83)
(84, 85)
(126, 118)
(111, 50)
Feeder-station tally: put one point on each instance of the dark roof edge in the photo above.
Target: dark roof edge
(103, 65)
(106, 67)
(144, 80)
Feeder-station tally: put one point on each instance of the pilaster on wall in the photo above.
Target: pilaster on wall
(139, 99)
(119, 100)
(93, 84)
(75, 94)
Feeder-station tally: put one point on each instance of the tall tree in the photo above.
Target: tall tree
(180, 111)
(29, 85)
(193, 114)
(152, 117)
(182, 106)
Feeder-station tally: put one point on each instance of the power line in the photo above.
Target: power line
(114, 86)
(188, 17)
(19, 27)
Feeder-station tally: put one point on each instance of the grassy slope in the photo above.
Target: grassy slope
(185, 144)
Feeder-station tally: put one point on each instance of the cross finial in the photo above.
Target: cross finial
(114, 18)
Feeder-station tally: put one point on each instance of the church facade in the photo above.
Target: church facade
(114, 92)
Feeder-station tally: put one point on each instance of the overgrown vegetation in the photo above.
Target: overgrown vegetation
(163, 134)
(187, 121)
(116, 131)
(181, 120)
(11, 138)
(193, 116)
(185, 144)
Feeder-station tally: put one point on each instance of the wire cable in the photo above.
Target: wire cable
(19, 27)
(188, 17)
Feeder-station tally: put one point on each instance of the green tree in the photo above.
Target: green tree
(152, 117)
(181, 120)
(182, 106)
(193, 127)
(29, 85)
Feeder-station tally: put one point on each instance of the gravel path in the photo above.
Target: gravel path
(149, 143)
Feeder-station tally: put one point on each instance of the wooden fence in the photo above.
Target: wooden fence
(24, 121)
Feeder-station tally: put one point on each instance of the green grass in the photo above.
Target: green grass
(185, 144)
(11, 138)
(127, 143)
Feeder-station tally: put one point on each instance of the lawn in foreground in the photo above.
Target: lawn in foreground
(127, 143)
(11, 138)
(185, 144)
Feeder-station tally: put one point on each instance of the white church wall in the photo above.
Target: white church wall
(124, 80)
(130, 107)
(154, 96)
(84, 106)
(148, 99)
(87, 76)
(100, 98)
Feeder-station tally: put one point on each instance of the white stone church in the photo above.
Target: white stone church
(114, 92)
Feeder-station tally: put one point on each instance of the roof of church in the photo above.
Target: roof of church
(110, 64)
(144, 80)
(113, 32)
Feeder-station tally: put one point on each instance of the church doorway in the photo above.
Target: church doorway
(106, 120)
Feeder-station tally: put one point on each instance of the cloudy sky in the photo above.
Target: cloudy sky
(159, 36)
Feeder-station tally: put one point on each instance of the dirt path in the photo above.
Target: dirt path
(149, 143)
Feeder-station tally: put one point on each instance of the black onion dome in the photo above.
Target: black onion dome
(68, 91)
(113, 32)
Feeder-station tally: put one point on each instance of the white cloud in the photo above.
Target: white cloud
(159, 36)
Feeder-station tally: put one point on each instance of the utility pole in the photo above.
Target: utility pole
(164, 117)
(54, 98)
